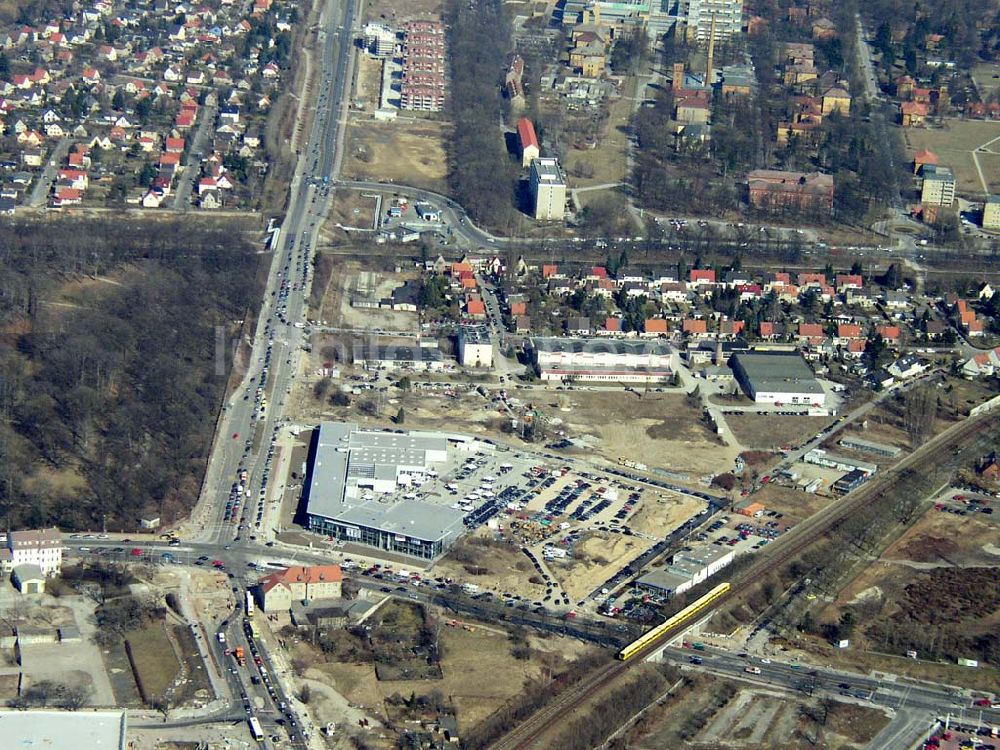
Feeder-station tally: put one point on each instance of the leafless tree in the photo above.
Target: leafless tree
(74, 697)
(920, 408)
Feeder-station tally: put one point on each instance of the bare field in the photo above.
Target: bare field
(659, 515)
(350, 208)
(658, 429)
(597, 557)
(709, 713)
(942, 558)
(368, 84)
(946, 539)
(757, 432)
(794, 504)
(954, 144)
(607, 163)
(760, 720)
(987, 79)
(478, 668)
(154, 657)
(496, 567)
(410, 152)
(352, 280)
(396, 13)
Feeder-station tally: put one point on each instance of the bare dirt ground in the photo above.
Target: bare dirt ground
(350, 208)
(757, 719)
(352, 279)
(658, 515)
(957, 547)
(368, 84)
(410, 152)
(757, 432)
(606, 163)
(946, 539)
(794, 504)
(595, 559)
(479, 672)
(709, 713)
(395, 13)
(659, 429)
(498, 568)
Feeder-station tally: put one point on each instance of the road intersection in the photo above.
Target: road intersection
(247, 429)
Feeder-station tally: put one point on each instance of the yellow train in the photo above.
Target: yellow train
(685, 614)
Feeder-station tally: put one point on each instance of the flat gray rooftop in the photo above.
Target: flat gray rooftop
(63, 730)
(412, 518)
(344, 454)
(475, 334)
(778, 372)
(579, 344)
(663, 579)
(548, 170)
(328, 477)
(397, 353)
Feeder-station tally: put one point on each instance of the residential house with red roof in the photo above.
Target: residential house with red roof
(848, 332)
(847, 281)
(811, 333)
(653, 327)
(701, 279)
(527, 141)
(695, 327)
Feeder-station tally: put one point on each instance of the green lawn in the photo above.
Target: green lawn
(154, 658)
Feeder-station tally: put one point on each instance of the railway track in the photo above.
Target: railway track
(945, 444)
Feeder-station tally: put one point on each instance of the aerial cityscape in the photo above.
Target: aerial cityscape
(500, 375)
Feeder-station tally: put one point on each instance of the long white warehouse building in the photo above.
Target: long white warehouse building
(600, 359)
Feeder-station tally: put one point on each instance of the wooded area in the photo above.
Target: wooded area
(673, 174)
(479, 168)
(109, 379)
(954, 20)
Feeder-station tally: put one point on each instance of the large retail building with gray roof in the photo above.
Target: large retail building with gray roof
(777, 378)
(358, 485)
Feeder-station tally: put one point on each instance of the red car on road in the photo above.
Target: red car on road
(136, 552)
(218, 564)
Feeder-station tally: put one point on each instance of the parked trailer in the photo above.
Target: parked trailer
(683, 616)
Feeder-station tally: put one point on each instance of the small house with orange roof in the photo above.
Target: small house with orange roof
(653, 327)
(695, 327)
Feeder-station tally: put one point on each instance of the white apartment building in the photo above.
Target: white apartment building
(42, 547)
(696, 18)
(991, 212)
(475, 349)
(938, 188)
(380, 39)
(548, 189)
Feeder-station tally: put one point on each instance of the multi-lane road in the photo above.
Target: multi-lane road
(253, 414)
(243, 438)
(271, 357)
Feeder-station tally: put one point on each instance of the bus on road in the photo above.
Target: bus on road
(255, 731)
(249, 603)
